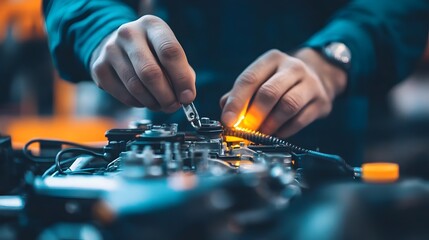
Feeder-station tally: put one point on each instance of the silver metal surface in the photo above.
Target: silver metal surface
(192, 115)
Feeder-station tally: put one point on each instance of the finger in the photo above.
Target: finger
(106, 78)
(173, 59)
(268, 95)
(146, 66)
(246, 85)
(223, 99)
(129, 78)
(301, 120)
(292, 103)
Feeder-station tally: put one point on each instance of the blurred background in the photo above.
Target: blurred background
(34, 102)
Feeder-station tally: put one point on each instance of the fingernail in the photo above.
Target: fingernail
(229, 118)
(186, 96)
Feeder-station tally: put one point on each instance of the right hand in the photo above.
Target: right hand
(143, 65)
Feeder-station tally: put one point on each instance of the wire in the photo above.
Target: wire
(51, 169)
(48, 159)
(261, 138)
(75, 151)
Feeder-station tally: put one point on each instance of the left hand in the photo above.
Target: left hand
(281, 94)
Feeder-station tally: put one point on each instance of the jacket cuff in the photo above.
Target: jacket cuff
(363, 61)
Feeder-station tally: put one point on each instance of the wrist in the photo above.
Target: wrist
(334, 78)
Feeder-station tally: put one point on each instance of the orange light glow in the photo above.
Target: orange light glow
(251, 121)
(239, 121)
(84, 130)
(24, 18)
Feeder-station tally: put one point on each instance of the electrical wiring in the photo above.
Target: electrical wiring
(52, 169)
(74, 151)
(48, 159)
(298, 152)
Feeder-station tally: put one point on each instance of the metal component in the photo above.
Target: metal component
(205, 120)
(260, 138)
(192, 115)
(357, 172)
(140, 124)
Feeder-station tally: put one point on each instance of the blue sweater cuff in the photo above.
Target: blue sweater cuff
(361, 47)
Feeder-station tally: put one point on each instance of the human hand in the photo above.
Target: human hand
(281, 94)
(143, 65)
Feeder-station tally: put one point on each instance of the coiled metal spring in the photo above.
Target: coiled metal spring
(261, 138)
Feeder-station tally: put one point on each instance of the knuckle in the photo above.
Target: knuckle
(136, 54)
(110, 48)
(248, 78)
(134, 86)
(268, 93)
(99, 68)
(290, 104)
(150, 73)
(170, 50)
(232, 103)
(296, 66)
(150, 20)
(275, 53)
(125, 31)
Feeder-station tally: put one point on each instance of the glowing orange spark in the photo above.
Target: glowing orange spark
(239, 121)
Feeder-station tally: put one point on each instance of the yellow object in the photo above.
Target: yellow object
(380, 172)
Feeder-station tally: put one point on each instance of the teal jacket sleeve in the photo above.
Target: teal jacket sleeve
(386, 38)
(76, 27)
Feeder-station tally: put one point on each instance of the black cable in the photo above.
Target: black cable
(261, 138)
(48, 159)
(75, 151)
(51, 169)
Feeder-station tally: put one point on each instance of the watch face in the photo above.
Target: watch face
(339, 51)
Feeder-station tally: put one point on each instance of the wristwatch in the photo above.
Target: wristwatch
(338, 54)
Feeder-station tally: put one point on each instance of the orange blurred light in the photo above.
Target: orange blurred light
(380, 172)
(239, 121)
(84, 130)
(23, 17)
(251, 121)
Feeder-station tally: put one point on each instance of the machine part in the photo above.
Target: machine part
(381, 172)
(261, 138)
(154, 174)
(125, 135)
(157, 135)
(191, 114)
(143, 124)
(210, 129)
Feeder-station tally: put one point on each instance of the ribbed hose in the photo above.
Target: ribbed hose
(260, 138)
(301, 154)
